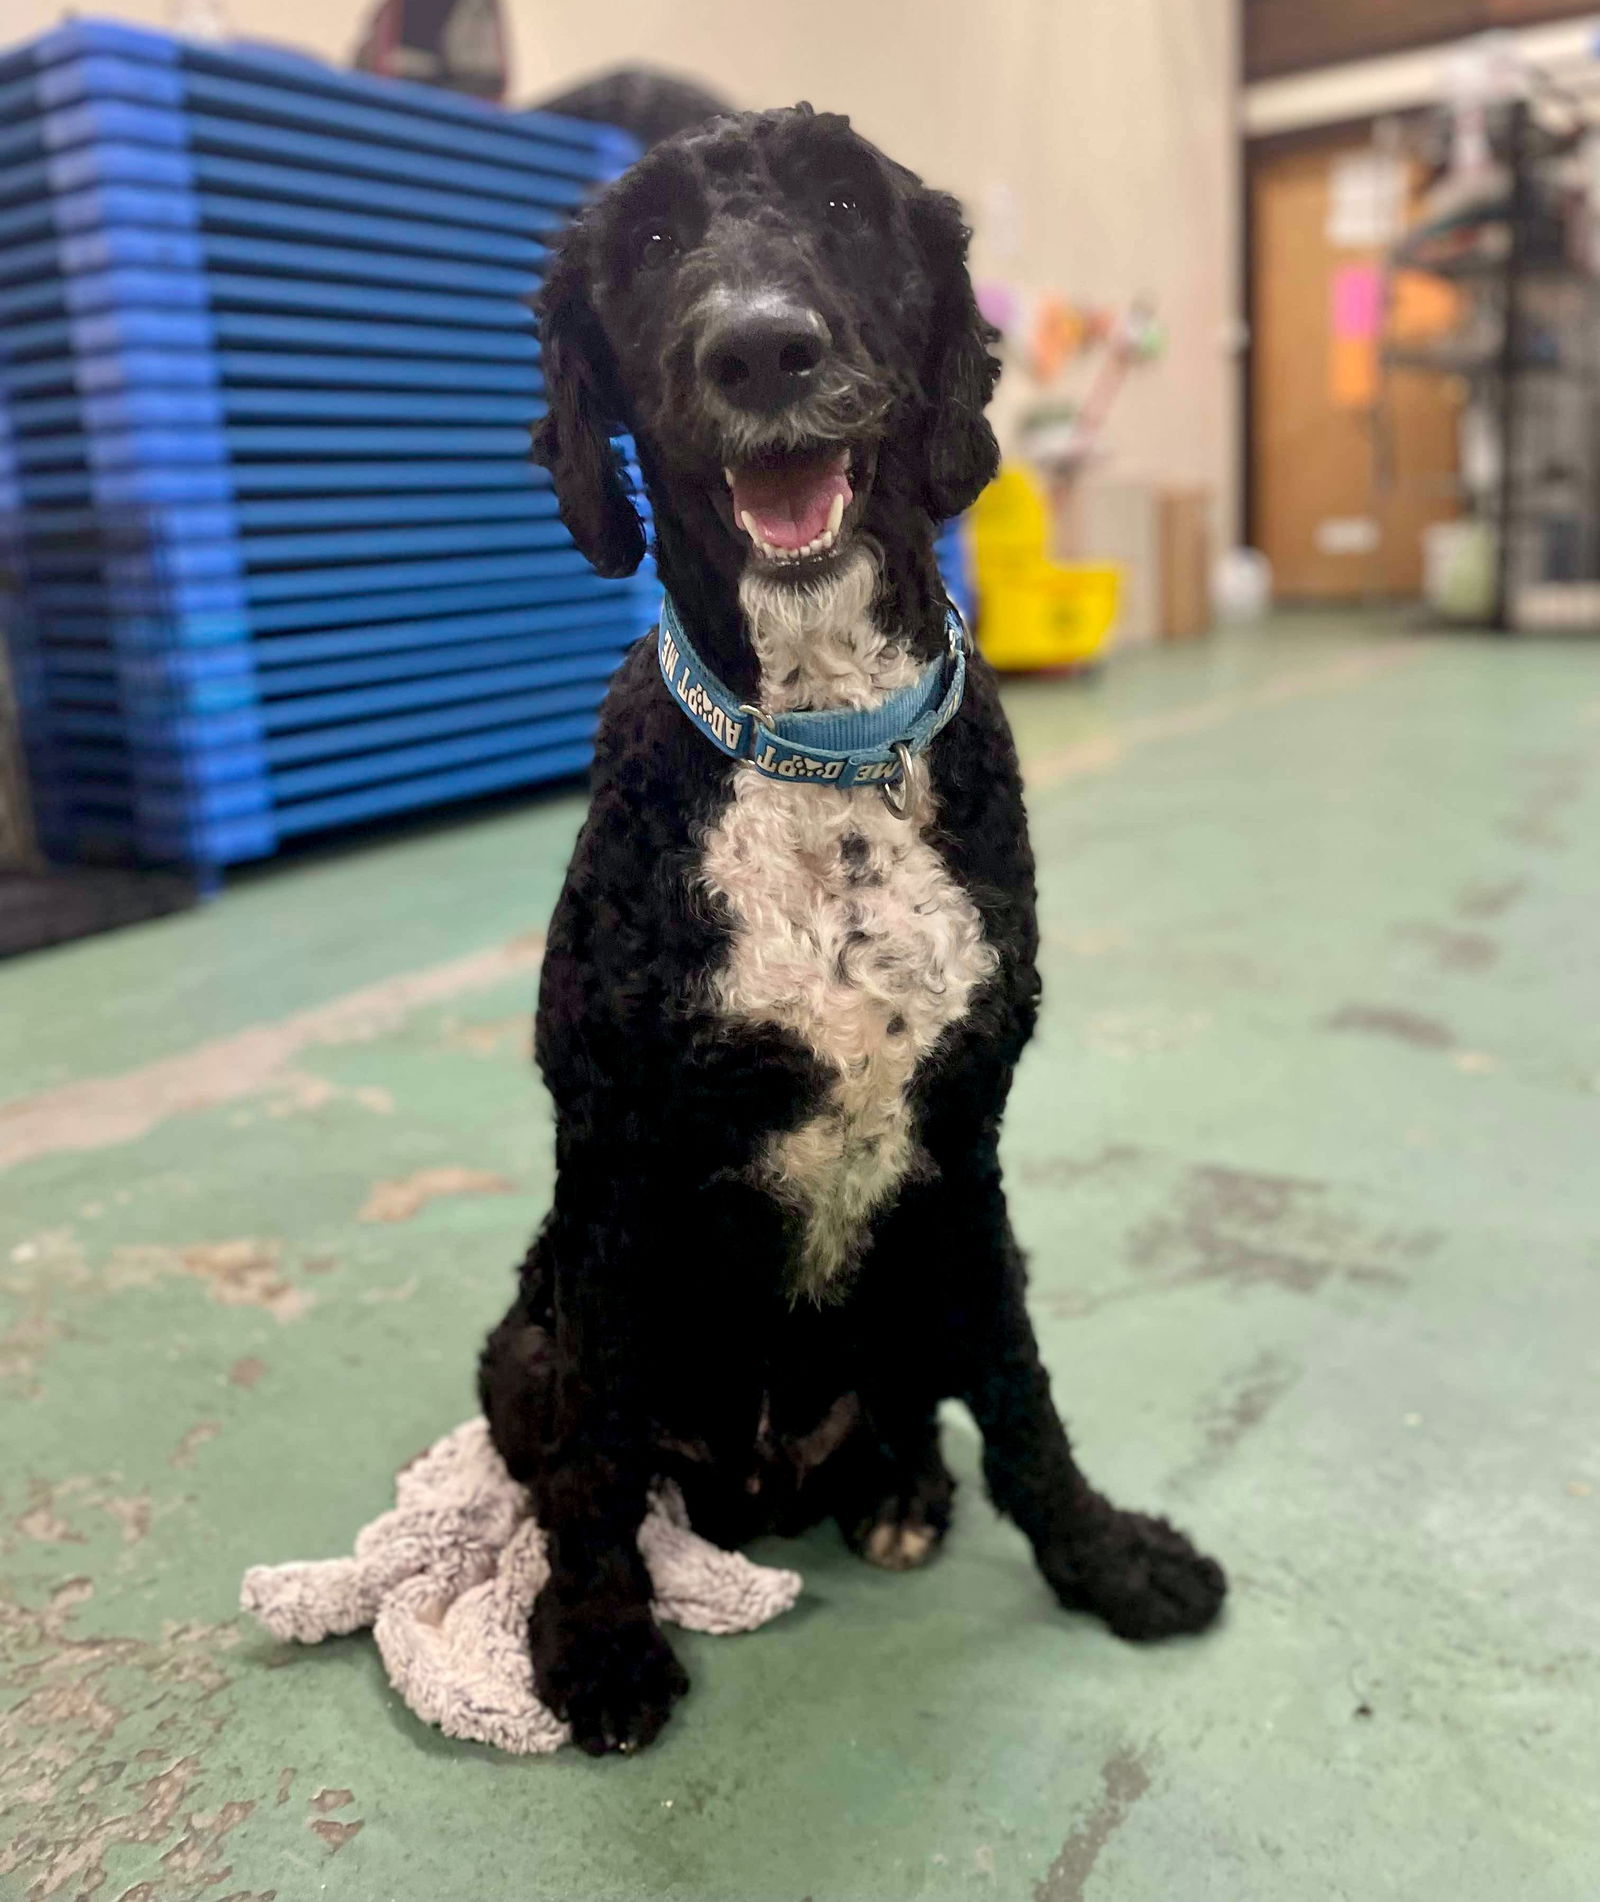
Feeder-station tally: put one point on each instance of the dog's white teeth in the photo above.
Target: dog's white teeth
(727, 476)
(765, 548)
(770, 550)
(835, 517)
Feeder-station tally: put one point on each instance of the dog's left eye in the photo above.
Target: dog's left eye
(844, 206)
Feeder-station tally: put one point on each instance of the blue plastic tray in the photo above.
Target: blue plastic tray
(104, 78)
(216, 745)
(140, 326)
(369, 655)
(548, 175)
(190, 369)
(182, 212)
(489, 686)
(173, 789)
(177, 540)
(136, 487)
(110, 248)
(445, 506)
(142, 485)
(60, 138)
(606, 146)
(133, 628)
(529, 762)
(318, 587)
(614, 605)
(363, 769)
(243, 674)
(118, 183)
(227, 213)
(162, 408)
(117, 164)
(213, 576)
(611, 636)
(88, 293)
(209, 521)
(336, 563)
(248, 442)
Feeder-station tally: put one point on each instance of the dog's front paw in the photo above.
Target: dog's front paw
(614, 1681)
(1141, 1575)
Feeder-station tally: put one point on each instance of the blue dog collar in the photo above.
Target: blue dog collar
(842, 747)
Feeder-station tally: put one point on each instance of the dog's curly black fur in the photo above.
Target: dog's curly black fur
(657, 1331)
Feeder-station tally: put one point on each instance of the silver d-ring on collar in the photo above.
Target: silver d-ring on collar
(897, 792)
(758, 717)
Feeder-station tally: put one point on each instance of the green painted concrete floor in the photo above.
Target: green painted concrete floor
(1306, 1157)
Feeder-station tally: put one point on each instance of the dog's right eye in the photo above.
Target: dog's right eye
(656, 245)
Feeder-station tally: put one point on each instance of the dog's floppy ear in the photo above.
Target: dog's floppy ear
(573, 438)
(961, 454)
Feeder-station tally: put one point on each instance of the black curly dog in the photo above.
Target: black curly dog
(779, 1022)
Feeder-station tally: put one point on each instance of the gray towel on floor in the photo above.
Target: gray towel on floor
(447, 1579)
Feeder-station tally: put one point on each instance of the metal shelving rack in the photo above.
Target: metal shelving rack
(1521, 367)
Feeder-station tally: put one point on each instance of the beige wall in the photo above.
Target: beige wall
(1106, 126)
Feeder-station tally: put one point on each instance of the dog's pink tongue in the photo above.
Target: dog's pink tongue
(790, 502)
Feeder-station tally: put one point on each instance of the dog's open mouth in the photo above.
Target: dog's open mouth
(793, 504)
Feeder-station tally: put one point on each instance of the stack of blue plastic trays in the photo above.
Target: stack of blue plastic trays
(267, 370)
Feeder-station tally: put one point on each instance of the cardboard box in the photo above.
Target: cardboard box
(1185, 563)
(1120, 522)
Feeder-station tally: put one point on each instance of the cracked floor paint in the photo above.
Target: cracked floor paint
(1124, 1778)
(398, 1201)
(1323, 1291)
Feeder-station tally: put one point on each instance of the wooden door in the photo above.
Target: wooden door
(1291, 36)
(1336, 520)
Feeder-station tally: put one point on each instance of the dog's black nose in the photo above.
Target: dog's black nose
(764, 356)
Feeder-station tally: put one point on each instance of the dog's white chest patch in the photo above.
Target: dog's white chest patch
(849, 932)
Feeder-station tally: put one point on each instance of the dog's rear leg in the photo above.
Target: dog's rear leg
(894, 1489)
(571, 1433)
